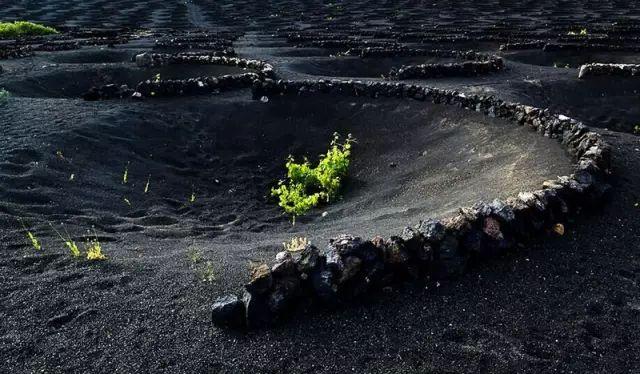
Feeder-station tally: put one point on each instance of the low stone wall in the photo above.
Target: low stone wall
(618, 70)
(195, 86)
(455, 69)
(173, 88)
(350, 267)
(472, 63)
(536, 44)
(408, 52)
(346, 44)
(160, 59)
(585, 45)
(594, 47)
(15, 51)
(195, 41)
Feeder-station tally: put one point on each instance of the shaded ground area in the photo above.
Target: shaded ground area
(565, 304)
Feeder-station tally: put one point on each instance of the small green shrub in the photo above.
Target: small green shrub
(308, 186)
(4, 96)
(204, 268)
(24, 28)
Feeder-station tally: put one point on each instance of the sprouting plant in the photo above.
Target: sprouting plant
(296, 244)
(636, 130)
(4, 96)
(146, 186)
(308, 186)
(195, 255)
(126, 201)
(192, 198)
(582, 32)
(33, 240)
(23, 28)
(94, 249)
(207, 272)
(125, 174)
(204, 269)
(68, 242)
(157, 78)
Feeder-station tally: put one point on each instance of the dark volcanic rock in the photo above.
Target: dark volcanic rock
(261, 280)
(228, 311)
(258, 310)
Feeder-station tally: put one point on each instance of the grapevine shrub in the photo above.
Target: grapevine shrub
(306, 186)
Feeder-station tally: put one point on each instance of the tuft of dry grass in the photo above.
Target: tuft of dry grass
(296, 244)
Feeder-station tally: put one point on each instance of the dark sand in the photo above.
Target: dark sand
(567, 304)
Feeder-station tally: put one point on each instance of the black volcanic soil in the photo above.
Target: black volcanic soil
(564, 304)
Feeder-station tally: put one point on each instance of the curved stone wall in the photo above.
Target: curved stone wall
(350, 266)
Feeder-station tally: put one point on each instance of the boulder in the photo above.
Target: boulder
(324, 287)
(257, 310)
(261, 280)
(283, 297)
(431, 230)
(144, 60)
(228, 311)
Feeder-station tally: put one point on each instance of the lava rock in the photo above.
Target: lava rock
(261, 280)
(351, 268)
(431, 230)
(144, 60)
(324, 287)
(449, 259)
(308, 260)
(228, 311)
(285, 292)
(257, 310)
(284, 265)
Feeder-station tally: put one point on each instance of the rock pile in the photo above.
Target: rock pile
(619, 70)
(350, 267)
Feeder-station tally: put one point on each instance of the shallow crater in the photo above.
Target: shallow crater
(206, 160)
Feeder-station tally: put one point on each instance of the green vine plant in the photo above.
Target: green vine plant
(23, 28)
(306, 187)
(4, 96)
